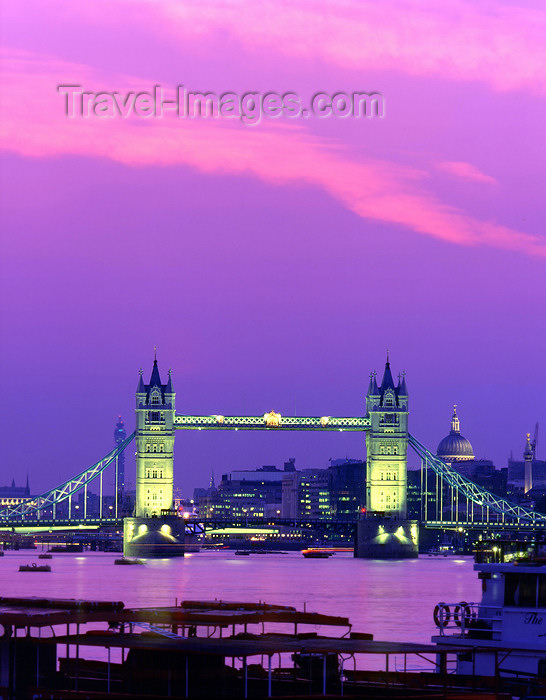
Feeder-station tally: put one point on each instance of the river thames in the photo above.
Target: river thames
(393, 600)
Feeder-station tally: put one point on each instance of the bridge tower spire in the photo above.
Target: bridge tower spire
(387, 444)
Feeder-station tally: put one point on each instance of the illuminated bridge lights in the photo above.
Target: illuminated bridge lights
(272, 421)
(492, 506)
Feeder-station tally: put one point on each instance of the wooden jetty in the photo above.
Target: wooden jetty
(206, 649)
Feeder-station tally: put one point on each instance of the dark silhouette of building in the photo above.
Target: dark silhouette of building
(13, 495)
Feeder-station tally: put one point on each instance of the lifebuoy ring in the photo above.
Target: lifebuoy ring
(462, 611)
(446, 615)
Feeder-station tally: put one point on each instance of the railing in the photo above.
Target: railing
(468, 620)
(474, 493)
(272, 421)
(51, 498)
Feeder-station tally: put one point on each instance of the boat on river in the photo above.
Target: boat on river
(443, 550)
(316, 554)
(34, 567)
(508, 624)
(128, 561)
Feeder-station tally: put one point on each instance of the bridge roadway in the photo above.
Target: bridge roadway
(196, 526)
(477, 525)
(345, 528)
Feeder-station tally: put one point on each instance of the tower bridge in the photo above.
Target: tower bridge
(384, 523)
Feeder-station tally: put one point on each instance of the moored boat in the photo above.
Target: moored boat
(316, 554)
(507, 628)
(35, 567)
(127, 561)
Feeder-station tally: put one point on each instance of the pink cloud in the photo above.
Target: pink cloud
(33, 124)
(493, 43)
(466, 171)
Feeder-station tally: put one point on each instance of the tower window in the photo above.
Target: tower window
(155, 397)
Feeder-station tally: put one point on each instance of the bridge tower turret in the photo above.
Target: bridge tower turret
(154, 445)
(387, 444)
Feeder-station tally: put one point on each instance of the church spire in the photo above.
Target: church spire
(455, 425)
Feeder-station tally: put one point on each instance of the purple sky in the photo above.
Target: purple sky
(272, 265)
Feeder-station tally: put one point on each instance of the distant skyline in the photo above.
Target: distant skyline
(272, 265)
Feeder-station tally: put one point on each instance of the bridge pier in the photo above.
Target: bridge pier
(386, 538)
(157, 537)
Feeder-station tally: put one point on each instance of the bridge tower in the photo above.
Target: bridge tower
(387, 444)
(383, 532)
(154, 445)
(155, 530)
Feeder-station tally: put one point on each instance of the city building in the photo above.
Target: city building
(306, 494)
(13, 495)
(269, 492)
(347, 488)
(253, 493)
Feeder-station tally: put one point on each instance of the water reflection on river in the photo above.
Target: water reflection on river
(391, 599)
